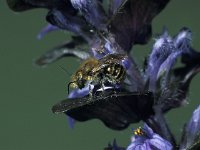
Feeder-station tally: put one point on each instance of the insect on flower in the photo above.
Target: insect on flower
(107, 70)
(139, 131)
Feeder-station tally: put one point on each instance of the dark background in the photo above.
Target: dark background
(28, 92)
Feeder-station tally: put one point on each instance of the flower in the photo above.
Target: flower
(46, 29)
(149, 141)
(90, 20)
(167, 84)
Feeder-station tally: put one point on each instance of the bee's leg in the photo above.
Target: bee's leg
(102, 86)
(90, 91)
(116, 89)
(95, 89)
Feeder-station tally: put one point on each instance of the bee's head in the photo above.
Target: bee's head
(75, 80)
(80, 83)
(80, 80)
(79, 75)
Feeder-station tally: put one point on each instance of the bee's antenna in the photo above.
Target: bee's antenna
(68, 73)
(65, 70)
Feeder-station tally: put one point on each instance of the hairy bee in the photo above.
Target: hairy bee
(83, 74)
(99, 72)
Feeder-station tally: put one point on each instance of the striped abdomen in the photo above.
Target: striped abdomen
(114, 72)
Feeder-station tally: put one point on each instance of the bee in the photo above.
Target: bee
(100, 72)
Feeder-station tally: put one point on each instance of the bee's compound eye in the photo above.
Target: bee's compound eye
(81, 83)
(74, 85)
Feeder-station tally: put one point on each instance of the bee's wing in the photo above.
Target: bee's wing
(116, 110)
(113, 57)
(108, 60)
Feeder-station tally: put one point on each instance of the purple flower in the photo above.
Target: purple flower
(171, 84)
(88, 18)
(45, 30)
(162, 50)
(93, 12)
(149, 141)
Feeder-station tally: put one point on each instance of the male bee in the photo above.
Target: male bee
(108, 69)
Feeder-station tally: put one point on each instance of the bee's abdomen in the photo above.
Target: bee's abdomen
(115, 72)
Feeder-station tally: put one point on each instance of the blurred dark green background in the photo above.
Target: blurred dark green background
(28, 92)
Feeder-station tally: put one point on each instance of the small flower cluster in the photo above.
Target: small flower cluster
(150, 140)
